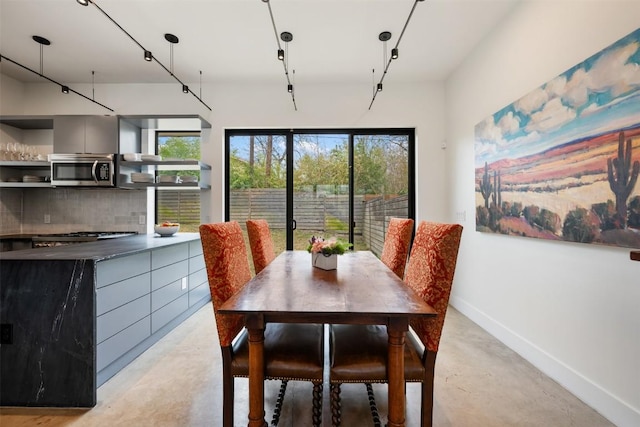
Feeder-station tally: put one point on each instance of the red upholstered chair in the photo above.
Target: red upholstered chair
(359, 353)
(261, 244)
(291, 351)
(396, 245)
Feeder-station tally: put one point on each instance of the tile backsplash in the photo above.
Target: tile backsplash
(10, 210)
(71, 209)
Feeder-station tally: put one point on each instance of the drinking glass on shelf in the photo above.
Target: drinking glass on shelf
(12, 150)
(32, 152)
(22, 151)
(3, 151)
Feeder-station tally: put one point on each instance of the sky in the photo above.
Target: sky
(599, 95)
(312, 143)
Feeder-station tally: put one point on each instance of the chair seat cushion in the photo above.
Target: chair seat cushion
(291, 351)
(359, 354)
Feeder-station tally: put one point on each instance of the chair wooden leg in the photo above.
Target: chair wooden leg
(336, 412)
(227, 400)
(227, 388)
(427, 389)
(317, 404)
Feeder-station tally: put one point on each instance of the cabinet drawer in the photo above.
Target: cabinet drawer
(111, 349)
(166, 294)
(169, 312)
(169, 255)
(165, 275)
(120, 293)
(195, 248)
(198, 278)
(117, 269)
(199, 293)
(122, 317)
(196, 263)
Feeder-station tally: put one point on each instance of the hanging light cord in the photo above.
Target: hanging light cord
(153, 56)
(286, 62)
(53, 81)
(388, 62)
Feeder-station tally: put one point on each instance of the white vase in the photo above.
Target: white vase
(325, 262)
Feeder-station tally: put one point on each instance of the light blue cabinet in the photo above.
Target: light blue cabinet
(198, 283)
(141, 297)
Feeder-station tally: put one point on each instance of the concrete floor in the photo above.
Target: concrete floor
(479, 382)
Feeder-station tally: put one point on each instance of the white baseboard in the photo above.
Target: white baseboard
(615, 410)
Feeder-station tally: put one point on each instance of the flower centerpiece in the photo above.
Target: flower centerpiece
(324, 253)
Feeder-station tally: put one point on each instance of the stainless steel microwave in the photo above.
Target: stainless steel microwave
(85, 170)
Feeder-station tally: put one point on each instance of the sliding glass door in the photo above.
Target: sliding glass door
(321, 204)
(382, 184)
(342, 183)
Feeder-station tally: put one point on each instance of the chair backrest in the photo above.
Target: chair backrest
(225, 257)
(396, 245)
(261, 244)
(430, 271)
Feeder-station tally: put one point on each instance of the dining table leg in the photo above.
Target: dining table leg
(255, 327)
(396, 331)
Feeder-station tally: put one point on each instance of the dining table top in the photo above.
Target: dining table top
(362, 288)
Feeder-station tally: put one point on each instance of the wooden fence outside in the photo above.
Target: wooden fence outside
(320, 213)
(179, 206)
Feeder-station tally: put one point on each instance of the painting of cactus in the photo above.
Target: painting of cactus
(562, 162)
(622, 177)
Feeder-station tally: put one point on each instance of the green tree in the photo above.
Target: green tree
(180, 147)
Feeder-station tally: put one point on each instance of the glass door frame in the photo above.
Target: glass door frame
(289, 135)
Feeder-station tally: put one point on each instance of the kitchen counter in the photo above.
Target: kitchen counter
(73, 316)
(102, 249)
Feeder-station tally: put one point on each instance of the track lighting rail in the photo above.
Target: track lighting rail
(64, 88)
(148, 56)
(286, 37)
(394, 53)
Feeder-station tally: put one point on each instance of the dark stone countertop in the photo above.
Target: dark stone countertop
(102, 249)
(16, 236)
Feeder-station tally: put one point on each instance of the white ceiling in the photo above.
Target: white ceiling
(234, 40)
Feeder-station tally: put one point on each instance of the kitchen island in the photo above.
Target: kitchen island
(73, 316)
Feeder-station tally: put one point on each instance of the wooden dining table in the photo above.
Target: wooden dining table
(361, 291)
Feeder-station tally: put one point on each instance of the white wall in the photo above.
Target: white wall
(341, 106)
(268, 105)
(572, 310)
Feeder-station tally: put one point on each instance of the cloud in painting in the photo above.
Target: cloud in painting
(556, 87)
(612, 71)
(590, 109)
(533, 101)
(509, 123)
(487, 130)
(577, 88)
(552, 116)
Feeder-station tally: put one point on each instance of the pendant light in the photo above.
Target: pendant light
(63, 88)
(283, 54)
(384, 37)
(148, 56)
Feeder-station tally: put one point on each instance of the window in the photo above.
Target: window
(343, 183)
(177, 204)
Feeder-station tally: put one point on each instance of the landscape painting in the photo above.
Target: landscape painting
(562, 162)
